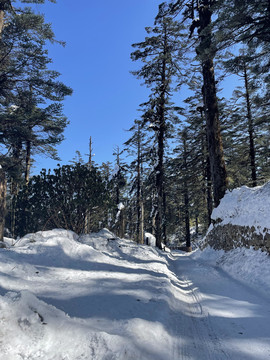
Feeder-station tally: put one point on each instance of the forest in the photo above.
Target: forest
(180, 158)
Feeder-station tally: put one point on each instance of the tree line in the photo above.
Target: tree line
(181, 157)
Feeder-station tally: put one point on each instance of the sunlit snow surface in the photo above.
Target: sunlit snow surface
(65, 297)
(246, 206)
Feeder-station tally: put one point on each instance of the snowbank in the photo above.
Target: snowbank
(78, 298)
(245, 265)
(241, 230)
(242, 220)
(245, 207)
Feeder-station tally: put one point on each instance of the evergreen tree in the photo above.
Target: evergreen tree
(245, 21)
(26, 86)
(107, 171)
(200, 187)
(159, 54)
(198, 14)
(62, 199)
(240, 66)
(136, 147)
(119, 183)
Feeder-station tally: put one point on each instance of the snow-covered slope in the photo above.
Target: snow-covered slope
(245, 206)
(88, 298)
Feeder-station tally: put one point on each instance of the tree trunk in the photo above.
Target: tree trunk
(140, 205)
(3, 192)
(141, 225)
(206, 173)
(160, 178)
(1, 22)
(186, 194)
(14, 190)
(87, 218)
(209, 191)
(160, 222)
(215, 148)
(27, 162)
(250, 131)
(122, 224)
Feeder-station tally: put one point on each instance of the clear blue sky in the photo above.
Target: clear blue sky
(96, 64)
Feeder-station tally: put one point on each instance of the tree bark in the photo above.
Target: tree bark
(27, 162)
(215, 147)
(250, 132)
(209, 191)
(186, 194)
(160, 223)
(1, 21)
(3, 192)
(140, 205)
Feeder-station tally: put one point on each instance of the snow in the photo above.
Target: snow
(98, 297)
(245, 207)
(120, 206)
(150, 239)
(248, 266)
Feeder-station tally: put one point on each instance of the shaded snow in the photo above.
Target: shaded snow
(249, 266)
(65, 297)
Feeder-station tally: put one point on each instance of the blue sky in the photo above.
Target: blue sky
(96, 64)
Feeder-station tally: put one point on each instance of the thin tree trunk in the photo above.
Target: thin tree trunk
(186, 194)
(14, 190)
(159, 180)
(3, 181)
(160, 209)
(87, 218)
(209, 191)
(250, 132)
(141, 226)
(3, 193)
(28, 162)
(207, 172)
(1, 21)
(90, 159)
(140, 205)
(187, 218)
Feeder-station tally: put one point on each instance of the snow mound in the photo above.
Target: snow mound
(65, 297)
(27, 322)
(246, 265)
(150, 239)
(51, 237)
(99, 240)
(245, 207)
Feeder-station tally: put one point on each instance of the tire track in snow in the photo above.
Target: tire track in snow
(201, 341)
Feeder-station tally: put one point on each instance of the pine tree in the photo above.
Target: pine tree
(136, 147)
(201, 185)
(245, 21)
(239, 66)
(159, 54)
(198, 14)
(26, 85)
(119, 184)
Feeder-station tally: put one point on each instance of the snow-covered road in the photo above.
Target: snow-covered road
(223, 318)
(64, 298)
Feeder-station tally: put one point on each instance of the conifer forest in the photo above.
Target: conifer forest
(180, 157)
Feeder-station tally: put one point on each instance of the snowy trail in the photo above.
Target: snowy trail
(95, 299)
(224, 318)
